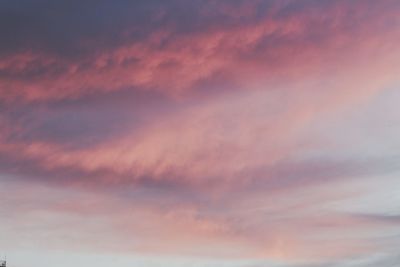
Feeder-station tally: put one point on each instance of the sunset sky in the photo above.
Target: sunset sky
(200, 133)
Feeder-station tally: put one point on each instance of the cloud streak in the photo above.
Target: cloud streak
(229, 133)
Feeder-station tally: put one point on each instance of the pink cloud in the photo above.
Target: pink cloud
(242, 173)
(251, 55)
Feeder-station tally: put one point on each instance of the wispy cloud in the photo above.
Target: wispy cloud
(229, 133)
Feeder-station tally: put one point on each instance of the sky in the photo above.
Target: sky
(257, 133)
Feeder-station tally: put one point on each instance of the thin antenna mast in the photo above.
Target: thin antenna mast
(3, 263)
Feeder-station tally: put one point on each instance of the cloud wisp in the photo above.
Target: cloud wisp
(223, 133)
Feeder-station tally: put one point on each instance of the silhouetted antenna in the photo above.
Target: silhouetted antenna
(3, 263)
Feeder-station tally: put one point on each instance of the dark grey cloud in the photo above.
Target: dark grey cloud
(75, 28)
